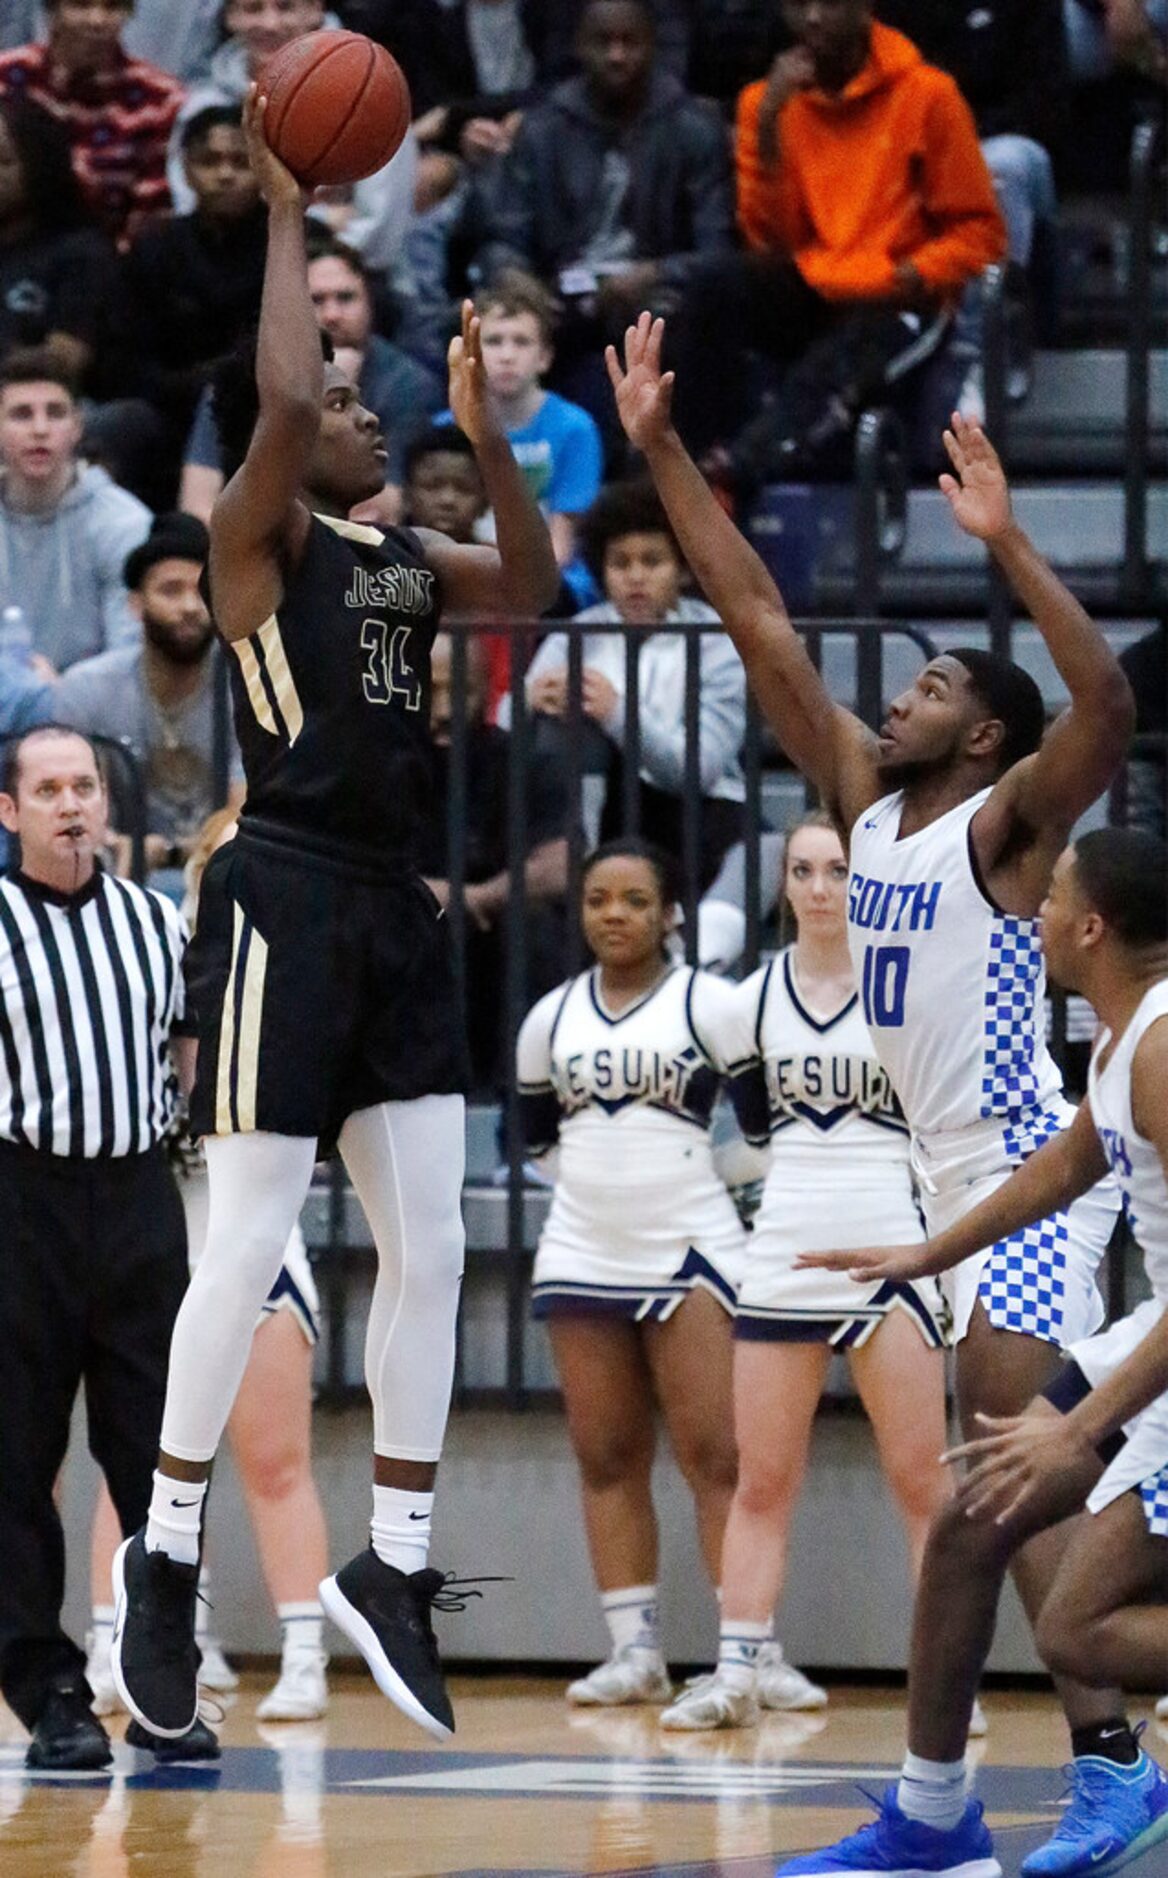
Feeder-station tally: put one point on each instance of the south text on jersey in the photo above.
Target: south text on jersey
(893, 906)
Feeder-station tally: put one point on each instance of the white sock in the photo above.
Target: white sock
(400, 1529)
(302, 1627)
(932, 1792)
(101, 1625)
(739, 1643)
(176, 1518)
(632, 1619)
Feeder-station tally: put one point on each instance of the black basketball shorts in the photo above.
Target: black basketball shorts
(318, 987)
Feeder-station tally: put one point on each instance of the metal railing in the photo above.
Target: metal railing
(512, 1212)
(1146, 164)
(869, 637)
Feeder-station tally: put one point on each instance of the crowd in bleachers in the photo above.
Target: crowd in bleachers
(569, 162)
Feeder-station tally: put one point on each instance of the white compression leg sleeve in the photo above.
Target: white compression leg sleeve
(257, 1187)
(406, 1161)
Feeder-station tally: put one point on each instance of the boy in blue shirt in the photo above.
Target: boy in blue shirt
(556, 443)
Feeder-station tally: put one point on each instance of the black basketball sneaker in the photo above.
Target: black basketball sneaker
(386, 1613)
(153, 1656)
(198, 1744)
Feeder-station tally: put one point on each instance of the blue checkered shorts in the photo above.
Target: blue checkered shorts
(1023, 1282)
(1154, 1494)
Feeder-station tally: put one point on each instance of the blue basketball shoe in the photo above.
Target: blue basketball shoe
(894, 1846)
(1116, 1814)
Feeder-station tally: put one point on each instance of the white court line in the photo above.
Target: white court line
(649, 1778)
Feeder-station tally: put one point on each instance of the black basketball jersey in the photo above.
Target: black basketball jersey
(331, 696)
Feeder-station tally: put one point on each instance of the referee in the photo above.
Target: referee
(93, 1254)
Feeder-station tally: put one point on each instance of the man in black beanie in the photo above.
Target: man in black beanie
(157, 697)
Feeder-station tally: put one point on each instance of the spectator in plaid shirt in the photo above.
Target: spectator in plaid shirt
(118, 111)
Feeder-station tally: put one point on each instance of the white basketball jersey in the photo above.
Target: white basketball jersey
(1133, 1160)
(951, 988)
(634, 1091)
(826, 1092)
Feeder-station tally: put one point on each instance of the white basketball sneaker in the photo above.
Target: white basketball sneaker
(215, 1672)
(301, 1693)
(782, 1686)
(629, 1675)
(98, 1673)
(711, 1702)
(978, 1725)
(1162, 1708)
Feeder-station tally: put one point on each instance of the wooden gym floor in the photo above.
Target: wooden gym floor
(526, 1786)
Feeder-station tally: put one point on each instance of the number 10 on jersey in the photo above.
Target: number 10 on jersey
(883, 984)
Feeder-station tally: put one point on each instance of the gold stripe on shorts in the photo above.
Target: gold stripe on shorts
(223, 1123)
(251, 1012)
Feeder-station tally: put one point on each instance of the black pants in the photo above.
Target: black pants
(834, 359)
(93, 1265)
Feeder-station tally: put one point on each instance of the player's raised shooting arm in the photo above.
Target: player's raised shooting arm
(1081, 753)
(826, 742)
(519, 576)
(258, 525)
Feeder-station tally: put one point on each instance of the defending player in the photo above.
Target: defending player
(320, 973)
(1097, 1435)
(956, 814)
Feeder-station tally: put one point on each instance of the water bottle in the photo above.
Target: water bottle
(15, 637)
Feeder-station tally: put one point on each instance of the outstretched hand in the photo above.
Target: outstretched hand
(274, 179)
(978, 492)
(644, 393)
(867, 1265)
(469, 402)
(1017, 1459)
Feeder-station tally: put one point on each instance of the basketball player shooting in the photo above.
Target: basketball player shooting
(321, 974)
(955, 813)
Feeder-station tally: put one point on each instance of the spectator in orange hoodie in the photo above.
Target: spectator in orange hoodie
(865, 205)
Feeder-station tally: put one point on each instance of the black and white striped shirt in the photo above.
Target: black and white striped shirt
(90, 987)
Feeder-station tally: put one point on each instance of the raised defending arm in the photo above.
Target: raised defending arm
(1044, 794)
(827, 743)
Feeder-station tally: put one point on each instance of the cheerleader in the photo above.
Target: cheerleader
(839, 1175)
(639, 1261)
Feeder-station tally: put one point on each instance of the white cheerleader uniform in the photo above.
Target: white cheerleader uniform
(952, 991)
(638, 1216)
(839, 1173)
(1142, 1460)
(295, 1287)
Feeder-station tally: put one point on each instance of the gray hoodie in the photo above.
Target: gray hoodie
(64, 568)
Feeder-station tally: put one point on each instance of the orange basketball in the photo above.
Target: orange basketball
(338, 106)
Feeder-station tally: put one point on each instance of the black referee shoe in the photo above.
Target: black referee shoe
(198, 1744)
(68, 1738)
(154, 1657)
(387, 1615)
